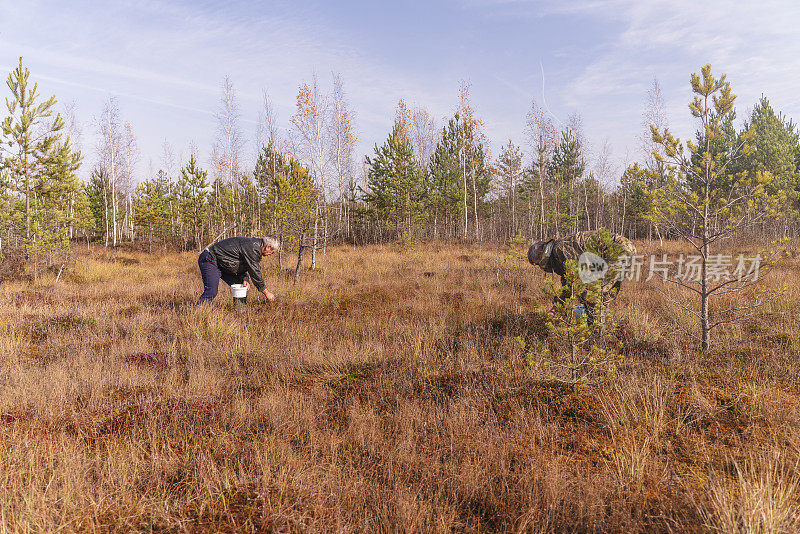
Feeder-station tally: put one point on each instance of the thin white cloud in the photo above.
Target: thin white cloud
(128, 96)
(755, 44)
(174, 55)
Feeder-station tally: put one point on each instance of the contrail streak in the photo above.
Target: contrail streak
(544, 100)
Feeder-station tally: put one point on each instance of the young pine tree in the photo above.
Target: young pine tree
(707, 200)
(509, 174)
(775, 145)
(192, 201)
(151, 208)
(54, 191)
(294, 198)
(579, 346)
(396, 185)
(40, 164)
(566, 168)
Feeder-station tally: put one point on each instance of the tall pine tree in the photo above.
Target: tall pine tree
(395, 190)
(151, 208)
(566, 169)
(41, 167)
(776, 145)
(192, 201)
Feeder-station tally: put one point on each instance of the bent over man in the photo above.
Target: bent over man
(553, 255)
(234, 260)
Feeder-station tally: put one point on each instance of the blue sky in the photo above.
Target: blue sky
(165, 61)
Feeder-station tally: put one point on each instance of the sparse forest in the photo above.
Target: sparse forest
(430, 179)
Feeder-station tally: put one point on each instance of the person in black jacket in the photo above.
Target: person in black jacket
(235, 260)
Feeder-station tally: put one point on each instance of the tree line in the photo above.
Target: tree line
(425, 181)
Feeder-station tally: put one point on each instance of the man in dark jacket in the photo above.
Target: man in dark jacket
(553, 255)
(234, 260)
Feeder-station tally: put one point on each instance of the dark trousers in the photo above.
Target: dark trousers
(593, 315)
(211, 276)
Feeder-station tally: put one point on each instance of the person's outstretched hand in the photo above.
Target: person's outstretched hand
(270, 296)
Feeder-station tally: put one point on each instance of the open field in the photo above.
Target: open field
(385, 393)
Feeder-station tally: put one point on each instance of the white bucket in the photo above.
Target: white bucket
(238, 291)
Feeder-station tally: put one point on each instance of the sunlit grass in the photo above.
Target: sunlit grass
(384, 392)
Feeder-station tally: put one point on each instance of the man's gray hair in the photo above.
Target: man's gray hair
(270, 242)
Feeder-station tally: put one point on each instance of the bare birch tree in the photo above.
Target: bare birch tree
(74, 132)
(508, 170)
(604, 172)
(267, 124)
(170, 166)
(541, 135)
(654, 114)
(473, 135)
(127, 180)
(268, 137)
(168, 159)
(227, 149)
(308, 138)
(424, 135)
(575, 125)
(342, 139)
(110, 150)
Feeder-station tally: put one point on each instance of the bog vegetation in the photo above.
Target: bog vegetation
(413, 372)
(387, 390)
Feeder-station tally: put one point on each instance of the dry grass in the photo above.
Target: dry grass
(385, 393)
